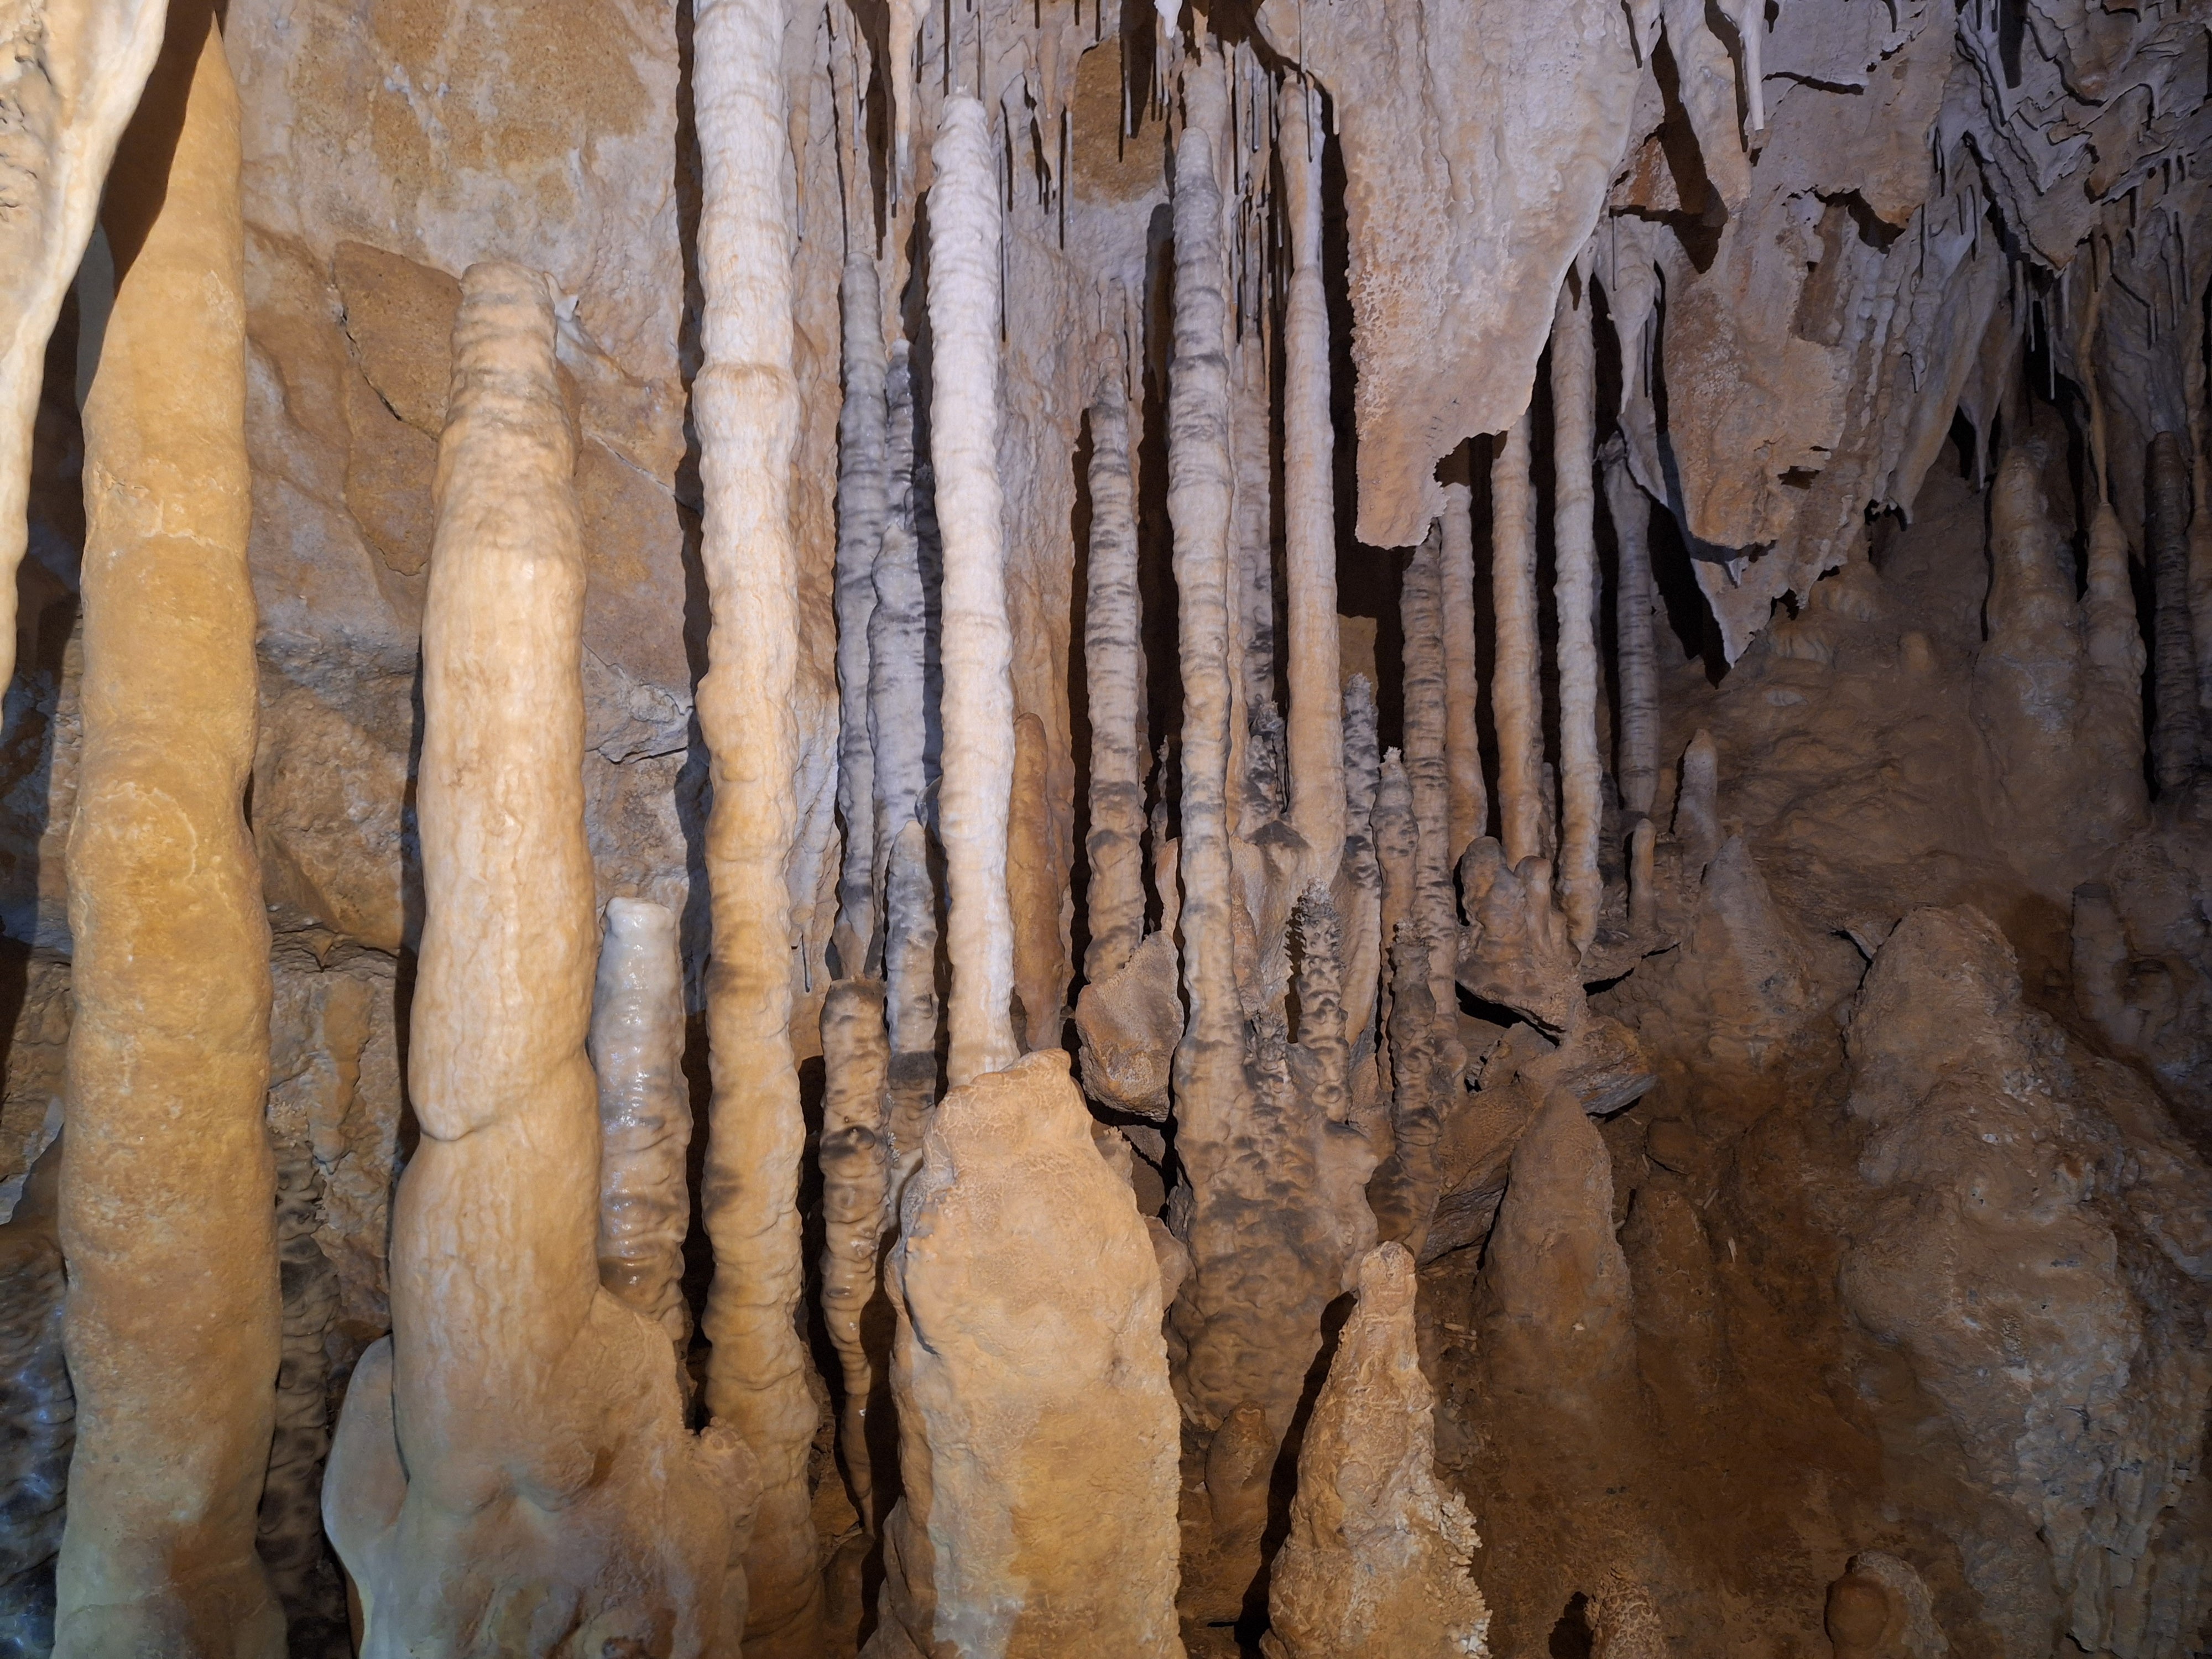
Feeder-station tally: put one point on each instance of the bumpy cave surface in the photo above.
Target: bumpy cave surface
(1335, 829)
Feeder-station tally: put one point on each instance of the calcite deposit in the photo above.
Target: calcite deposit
(1030, 827)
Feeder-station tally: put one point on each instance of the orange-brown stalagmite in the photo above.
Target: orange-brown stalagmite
(168, 1188)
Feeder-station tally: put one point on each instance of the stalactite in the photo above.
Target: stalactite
(862, 508)
(1636, 657)
(520, 1424)
(1435, 910)
(1034, 895)
(1396, 833)
(898, 638)
(745, 406)
(1213, 1095)
(644, 1114)
(1256, 766)
(1113, 670)
(1514, 697)
(1574, 413)
(2175, 739)
(1362, 875)
(856, 1171)
(1037, 1433)
(1406, 1187)
(1316, 713)
(1470, 798)
(168, 1181)
(83, 68)
(974, 796)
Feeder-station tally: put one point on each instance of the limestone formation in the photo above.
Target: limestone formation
(512, 1466)
(1038, 1434)
(855, 1155)
(1470, 794)
(1514, 697)
(973, 801)
(746, 405)
(1574, 368)
(168, 1183)
(1377, 1560)
(1113, 661)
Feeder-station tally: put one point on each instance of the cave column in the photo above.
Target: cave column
(1514, 693)
(975, 797)
(168, 1185)
(1470, 800)
(1114, 667)
(745, 404)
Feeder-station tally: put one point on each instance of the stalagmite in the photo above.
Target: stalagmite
(1377, 1562)
(2176, 738)
(978, 700)
(2112, 712)
(644, 1114)
(855, 1170)
(862, 490)
(1470, 798)
(1514, 697)
(1038, 1435)
(1113, 671)
(745, 406)
(518, 1444)
(1697, 805)
(75, 75)
(1636, 660)
(1574, 404)
(167, 1183)
(1317, 718)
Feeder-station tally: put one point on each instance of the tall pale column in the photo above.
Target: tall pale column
(168, 1188)
(1113, 671)
(745, 404)
(974, 795)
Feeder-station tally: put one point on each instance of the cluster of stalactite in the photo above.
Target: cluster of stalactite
(1294, 932)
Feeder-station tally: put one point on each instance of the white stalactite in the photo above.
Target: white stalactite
(862, 487)
(1513, 696)
(898, 639)
(975, 796)
(1113, 670)
(746, 406)
(645, 1113)
(1470, 798)
(1574, 415)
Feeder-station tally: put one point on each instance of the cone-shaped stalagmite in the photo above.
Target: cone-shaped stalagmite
(515, 1452)
(167, 1185)
(1038, 1435)
(746, 406)
(644, 1114)
(974, 798)
(1376, 1565)
(1574, 400)
(1114, 673)
(75, 74)
(1316, 720)
(1514, 693)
